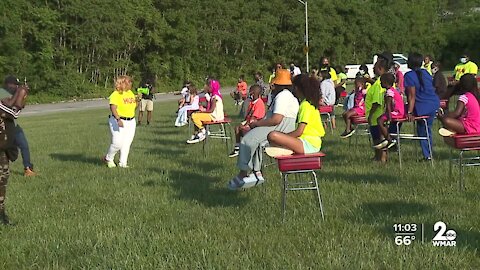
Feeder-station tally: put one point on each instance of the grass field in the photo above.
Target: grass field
(171, 209)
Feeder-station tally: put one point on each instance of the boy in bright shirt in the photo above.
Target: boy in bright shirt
(255, 112)
(465, 119)
(394, 110)
(307, 137)
(240, 93)
(374, 101)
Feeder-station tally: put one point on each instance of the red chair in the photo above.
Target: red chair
(300, 164)
(414, 136)
(327, 111)
(464, 143)
(360, 124)
(222, 133)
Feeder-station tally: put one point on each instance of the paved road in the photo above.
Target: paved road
(39, 109)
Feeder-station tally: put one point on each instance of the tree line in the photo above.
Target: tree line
(74, 48)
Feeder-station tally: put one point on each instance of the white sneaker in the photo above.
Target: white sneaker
(123, 166)
(253, 180)
(201, 137)
(445, 132)
(277, 151)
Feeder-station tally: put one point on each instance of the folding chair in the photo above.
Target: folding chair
(414, 136)
(327, 111)
(463, 143)
(223, 132)
(300, 164)
(360, 124)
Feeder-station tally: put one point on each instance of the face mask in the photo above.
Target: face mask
(434, 70)
(362, 72)
(463, 60)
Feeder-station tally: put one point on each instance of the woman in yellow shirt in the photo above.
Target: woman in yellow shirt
(307, 138)
(122, 123)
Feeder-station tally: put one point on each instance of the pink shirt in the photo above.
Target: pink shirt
(359, 100)
(398, 108)
(471, 116)
(399, 81)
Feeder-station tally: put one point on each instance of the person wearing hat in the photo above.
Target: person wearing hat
(8, 150)
(10, 86)
(281, 116)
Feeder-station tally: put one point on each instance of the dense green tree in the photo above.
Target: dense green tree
(71, 48)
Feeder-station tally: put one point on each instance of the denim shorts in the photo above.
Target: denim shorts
(309, 148)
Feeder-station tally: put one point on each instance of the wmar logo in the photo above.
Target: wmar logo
(443, 238)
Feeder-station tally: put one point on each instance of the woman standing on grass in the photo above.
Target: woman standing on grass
(422, 99)
(121, 121)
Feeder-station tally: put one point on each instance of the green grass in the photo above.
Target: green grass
(172, 210)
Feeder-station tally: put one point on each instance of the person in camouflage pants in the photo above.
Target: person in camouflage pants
(8, 152)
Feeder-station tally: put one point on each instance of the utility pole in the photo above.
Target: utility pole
(306, 49)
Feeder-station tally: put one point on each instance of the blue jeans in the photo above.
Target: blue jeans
(423, 133)
(22, 143)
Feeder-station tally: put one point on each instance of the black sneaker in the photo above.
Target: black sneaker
(346, 134)
(391, 144)
(381, 145)
(235, 152)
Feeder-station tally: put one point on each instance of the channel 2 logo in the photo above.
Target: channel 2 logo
(443, 238)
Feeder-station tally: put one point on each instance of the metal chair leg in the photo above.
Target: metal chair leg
(284, 197)
(462, 185)
(399, 146)
(429, 141)
(318, 194)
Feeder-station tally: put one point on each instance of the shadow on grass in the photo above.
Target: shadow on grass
(160, 151)
(76, 158)
(199, 188)
(357, 178)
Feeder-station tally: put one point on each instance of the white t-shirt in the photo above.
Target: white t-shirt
(328, 91)
(296, 71)
(286, 104)
(217, 113)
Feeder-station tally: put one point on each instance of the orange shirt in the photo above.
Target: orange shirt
(255, 111)
(242, 88)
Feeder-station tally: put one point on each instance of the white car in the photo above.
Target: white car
(352, 70)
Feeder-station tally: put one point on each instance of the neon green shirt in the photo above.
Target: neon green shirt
(342, 76)
(314, 131)
(125, 102)
(428, 67)
(467, 68)
(375, 94)
(333, 74)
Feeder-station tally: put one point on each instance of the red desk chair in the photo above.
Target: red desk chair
(414, 136)
(300, 164)
(223, 132)
(360, 124)
(463, 143)
(327, 111)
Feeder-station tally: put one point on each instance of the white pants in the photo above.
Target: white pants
(122, 138)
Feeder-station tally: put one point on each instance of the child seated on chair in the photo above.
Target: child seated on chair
(358, 107)
(327, 89)
(255, 112)
(240, 94)
(183, 113)
(11, 106)
(465, 119)
(307, 137)
(214, 112)
(394, 110)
